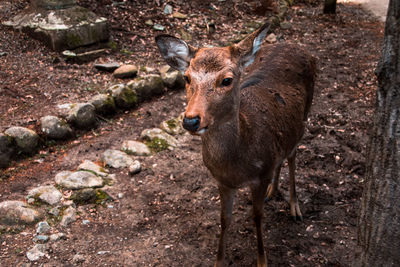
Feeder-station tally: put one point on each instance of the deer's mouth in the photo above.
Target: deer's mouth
(200, 131)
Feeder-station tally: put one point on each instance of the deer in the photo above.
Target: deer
(248, 102)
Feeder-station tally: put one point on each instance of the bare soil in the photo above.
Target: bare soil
(169, 214)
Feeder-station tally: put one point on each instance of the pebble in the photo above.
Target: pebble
(69, 216)
(42, 228)
(158, 27)
(36, 252)
(126, 71)
(85, 222)
(78, 258)
(47, 194)
(41, 239)
(57, 237)
(109, 67)
(135, 167)
(168, 9)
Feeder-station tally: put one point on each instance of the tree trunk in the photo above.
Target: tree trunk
(329, 6)
(379, 222)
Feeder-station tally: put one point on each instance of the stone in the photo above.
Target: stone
(47, 194)
(147, 86)
(88, 165)
(84, 196)
(82, 115)
(135, 167)
(135, 148)
(116, 159)
(42, 228)
(173, 126)
(41, 239)
(103, 104)
(149, 22)
(158, 140)
(271, 38)
(55, 128)
(78, 180)
(168, 9)
(286, 25)
(55, 211)
(69, 216)
(26, 139)
(124, 97)
(7, 150)
(36, 252)
(57, 237)
(173, 79)
(61, 29)
(158, 27)
(179, 15)
(78, 258)
(109, 67)
(84, 56)
(13, 212)
(126, 71)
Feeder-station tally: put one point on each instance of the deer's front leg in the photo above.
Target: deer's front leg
(258, 193)
(226, 196)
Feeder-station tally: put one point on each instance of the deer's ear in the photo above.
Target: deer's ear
(176, 52)
(248, 47)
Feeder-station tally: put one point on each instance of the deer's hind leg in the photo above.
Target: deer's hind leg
(293, 202)
(273, 187)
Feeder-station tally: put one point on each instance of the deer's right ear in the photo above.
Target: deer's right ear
(176, 52)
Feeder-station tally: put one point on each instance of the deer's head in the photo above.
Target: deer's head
(212, 76)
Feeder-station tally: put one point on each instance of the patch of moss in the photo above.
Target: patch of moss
(102, 197)
(126, 52)
(54, 220)
(171, 123)
(157, 144)
(112, 45)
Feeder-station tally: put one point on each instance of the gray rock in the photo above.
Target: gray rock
(93, 167)
(54, 211)
(68, 217)
(116, 159)
(110, 67)
(157, 136)
(147, 86)
(26, 139)
(78, 180)
(41, 239)
(57, 237)
(36, 252)
(48, 194)
(7, 150)
(173, 126)
(126, 71)
(135, 148)
(63, 28)
(78, 258)
(84, 196)
(124, 97)
(168, 9)
(135, 168)
(149, 22)
(158, 27)
(42, 228)
(103, 103)
(55, 127)
(173, 79)
(82, 115)
(271, 38)
(17, 212)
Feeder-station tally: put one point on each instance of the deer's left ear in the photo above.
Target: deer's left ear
(176, 52)
(248, 47)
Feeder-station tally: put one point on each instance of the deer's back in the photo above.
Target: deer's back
(276, 95)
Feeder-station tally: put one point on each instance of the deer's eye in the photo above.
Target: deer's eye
(187, 80)
(226, 82)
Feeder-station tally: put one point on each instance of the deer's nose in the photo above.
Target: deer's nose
(191, 124)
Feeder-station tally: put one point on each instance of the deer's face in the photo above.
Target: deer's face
(212, 76)
(210, 81)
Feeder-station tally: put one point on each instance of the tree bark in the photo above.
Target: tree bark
(330, 7)
(379, 221)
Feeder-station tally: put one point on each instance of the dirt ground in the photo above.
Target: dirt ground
(169, 214)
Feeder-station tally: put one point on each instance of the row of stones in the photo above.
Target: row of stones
(84, 115)
(87, 184)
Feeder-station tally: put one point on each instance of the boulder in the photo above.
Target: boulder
(82, 115)
(55, 128)
(103, 103)
(124, 97)
(78, 180)
(14, 212)
(126, 71)
(25, 139)
(135, 148)
(7, 150)
(158, 140)
(147, 86)
(173, 126)
(109, 67)
(117, 159)
(88, 165)
(173, 79)
(47, 194)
